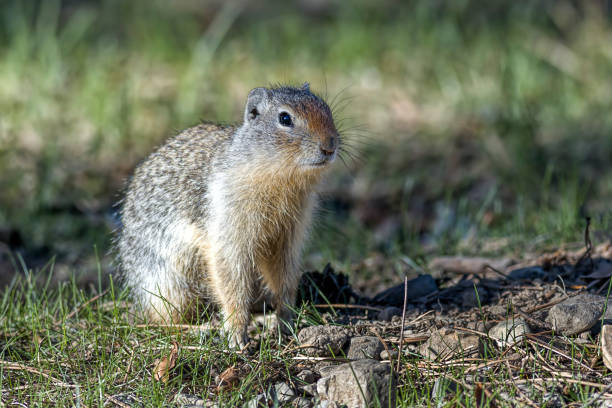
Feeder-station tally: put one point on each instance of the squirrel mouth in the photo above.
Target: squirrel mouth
(319, 163)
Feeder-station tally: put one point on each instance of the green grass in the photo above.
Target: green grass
(64, 346)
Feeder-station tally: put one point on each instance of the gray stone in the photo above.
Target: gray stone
(509, 331)
(323, 341)
(576, 314)
(307, 376)
(364, 347)
(360, 383)
(445, 343)
(389, 355)
(309, 389)
(257, 402)
(418, 287)
(283, 392)
(388, 312)
(301, 402)
(185, 400)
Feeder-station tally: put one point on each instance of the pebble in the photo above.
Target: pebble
(364, 347)
(509, 331)
(324, 341)
(185, 400)
(576, 314)
(283, 392)
(445, 343)
(360, 383)
(388, 355)
(307, 376)
(301, 402)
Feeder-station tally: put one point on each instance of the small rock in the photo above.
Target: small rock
(576, 314)
(388, 312)
(388, 355)
(256, 402)
(301, 402)
(418, 287)
(185, 400)
(445, 343)
(509, 331)
(283, 392)
(360, 383)
(324, 341)
(307, 376)
(606, 345)
(309, 389)
(364, 347)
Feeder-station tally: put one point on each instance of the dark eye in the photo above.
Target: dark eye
(285, 119)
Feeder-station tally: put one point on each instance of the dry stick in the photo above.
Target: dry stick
(9, 365)
(399, 355)
(521, 393)
(84, 305)
(534, 322)
(346, 306)
(116, 401)
(546, 305)
(596, 397)
(383, 343)
(559, 352)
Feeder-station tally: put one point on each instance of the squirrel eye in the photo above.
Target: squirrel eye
(285, 119)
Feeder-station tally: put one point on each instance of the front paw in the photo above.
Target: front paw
(237, 337)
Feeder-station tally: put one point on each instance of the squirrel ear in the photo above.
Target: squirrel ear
(256, 102)
(306, 87)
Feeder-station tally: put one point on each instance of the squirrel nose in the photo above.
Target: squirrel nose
(327, 151)
(328, 147)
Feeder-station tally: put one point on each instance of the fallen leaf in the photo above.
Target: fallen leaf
(164, 365)
(228, 378)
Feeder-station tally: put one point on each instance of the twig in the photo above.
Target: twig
(587, 244)
(306, 358)
(518, 389)
(84, 305)
(384, 343)
(9, 365)
(401, 344)
(534, 322)
(346, 306)
(533, 340)
(116, 401)
(546, 305)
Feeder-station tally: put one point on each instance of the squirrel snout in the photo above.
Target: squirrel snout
(328, 146)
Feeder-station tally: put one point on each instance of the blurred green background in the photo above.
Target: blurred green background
(473, 127)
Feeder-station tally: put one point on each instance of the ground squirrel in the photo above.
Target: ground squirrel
(219, 213)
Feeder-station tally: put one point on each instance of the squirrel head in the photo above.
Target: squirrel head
(295, 125)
